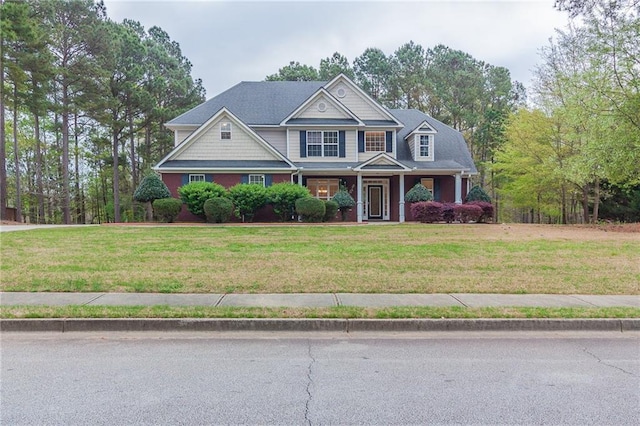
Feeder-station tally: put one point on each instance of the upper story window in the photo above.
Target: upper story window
(374, 141)
(425, 146)
(196, 178)
(323, 189)
(322, 143)
(225, 130)
(256, 179)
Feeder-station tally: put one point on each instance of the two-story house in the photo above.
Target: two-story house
(322, 135)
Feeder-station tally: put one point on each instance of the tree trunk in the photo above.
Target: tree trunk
(134, 169)
(77, 195)
(39, 187)
(16, 162)
(66, 196)
(149, 211)
(563, 207)
(3, 153)
(116, 177)
(585, 203)
(596, 200)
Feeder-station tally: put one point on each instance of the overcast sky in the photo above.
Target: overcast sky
(232, 41)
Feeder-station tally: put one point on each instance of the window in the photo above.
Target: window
(374, 141)
(322, 143)
(225, 130)
(323, 189)
(196, 178)
(425, 146)
(427, 183)
(256, 179)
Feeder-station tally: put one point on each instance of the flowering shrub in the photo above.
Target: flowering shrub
(487, 210)
(427, 211)
(466, 213)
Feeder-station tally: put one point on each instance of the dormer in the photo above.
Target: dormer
(422, 142)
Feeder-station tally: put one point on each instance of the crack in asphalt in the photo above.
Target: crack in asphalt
(309, 383)
(585, 350)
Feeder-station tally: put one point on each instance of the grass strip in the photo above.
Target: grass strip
(346, 312)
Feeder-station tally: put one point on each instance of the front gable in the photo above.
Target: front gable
(382, 162)
(321, 108)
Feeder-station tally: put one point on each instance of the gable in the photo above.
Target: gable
(321, 106)
(357, 101)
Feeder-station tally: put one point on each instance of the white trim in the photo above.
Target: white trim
(386, 197)
(382, 155)
(417, 130)
(311, 99)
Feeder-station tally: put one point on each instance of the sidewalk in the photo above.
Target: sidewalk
(318, 300)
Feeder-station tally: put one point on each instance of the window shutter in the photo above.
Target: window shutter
(244, 179)
(389, 146)
(342, 149)
(304, 181)
(268, 180)
(185, 178)
(360, 141)
(208, 177)
(436, 190)
(303, 144)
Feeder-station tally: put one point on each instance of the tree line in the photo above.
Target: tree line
(84, 100)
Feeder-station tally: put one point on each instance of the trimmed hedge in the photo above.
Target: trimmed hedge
(247, 199)
(487, 210)
(195, 194)
(427, 211)
(283, 197)
(466, 213)
(151, 188)
(331, 209)
(218, 209)
(311, 209)
(477, 194)
(449, 212)
(167, 209)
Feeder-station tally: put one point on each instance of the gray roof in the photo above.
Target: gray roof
(323, 121)
(226, 164)
(254, 102)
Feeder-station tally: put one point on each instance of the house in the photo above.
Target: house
(322, 135)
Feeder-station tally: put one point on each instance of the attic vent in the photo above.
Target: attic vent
(322, 107)
(341, 92)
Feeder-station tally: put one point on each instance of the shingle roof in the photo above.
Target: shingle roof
(254, 102)
(225, 164)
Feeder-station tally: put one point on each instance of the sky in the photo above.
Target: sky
(232, 41)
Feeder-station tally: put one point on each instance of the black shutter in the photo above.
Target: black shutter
(244, 179)
(389, 146)
(342, 149)
(436, 190)
(268, 180)
(303, 144)
(208, 177)
(360, 141)
(185, 178)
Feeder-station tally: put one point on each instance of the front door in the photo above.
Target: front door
(375, 202)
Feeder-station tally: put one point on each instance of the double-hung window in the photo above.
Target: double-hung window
(196, 178)
(225, 130)
(256, 179)
(374, 141)
(322, 143)
(425, 146)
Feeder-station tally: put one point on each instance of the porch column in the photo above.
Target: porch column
(401, 196)
(300, 177)
(458, 188)
(359, 201)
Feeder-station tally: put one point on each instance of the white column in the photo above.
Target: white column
(401, 216)
(359, 201)
(300, 177)
(458, 188)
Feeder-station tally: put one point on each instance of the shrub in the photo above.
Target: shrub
(167, 209)
(247, 199)
(218, 209)
(477, 194)
(345, 202)
(151, 188)
(427, 211)
(417, 194)
(466, 213)
(331, 209)
(311, 209)
(448, 212)
(195, 194)
(283, 197)
(487, 210)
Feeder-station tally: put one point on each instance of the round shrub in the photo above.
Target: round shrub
(218, 209)
(167, 209)
(448, 212)
(311, 209)
(427, 211)
(283, 197)
(487, 210)
(466, 213)
(247, 199)
(417, 194)
(331, 209)
(477, 194)
(194, 195)
(345, 202)
(151, 188)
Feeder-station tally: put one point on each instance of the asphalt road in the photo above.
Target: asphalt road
(316, 378)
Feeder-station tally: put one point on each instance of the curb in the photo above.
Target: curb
(330, 325)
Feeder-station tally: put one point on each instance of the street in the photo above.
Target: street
(320, 378)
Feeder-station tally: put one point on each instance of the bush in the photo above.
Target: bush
(167, 209)
(247, 199)
(151, 188)
(195, 194)
(448, 212)
(218, 209)
(417, 194)
(331, 209)
(311, 209)
(345, 202)
(466, 213)
(477, 194)
(283, 197)
(427, 211)
(487, 210)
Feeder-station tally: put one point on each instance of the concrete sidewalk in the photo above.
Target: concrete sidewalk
(317, 300)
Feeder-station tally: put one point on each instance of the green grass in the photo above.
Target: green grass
(163, 311)
(409, 258)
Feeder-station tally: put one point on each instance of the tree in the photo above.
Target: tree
(150, 189)
(335, 65)
(247, 199)
(295, 72)
(345, 202)
(408, 71)
(372, 72)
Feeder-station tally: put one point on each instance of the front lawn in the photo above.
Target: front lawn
(307, 258)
